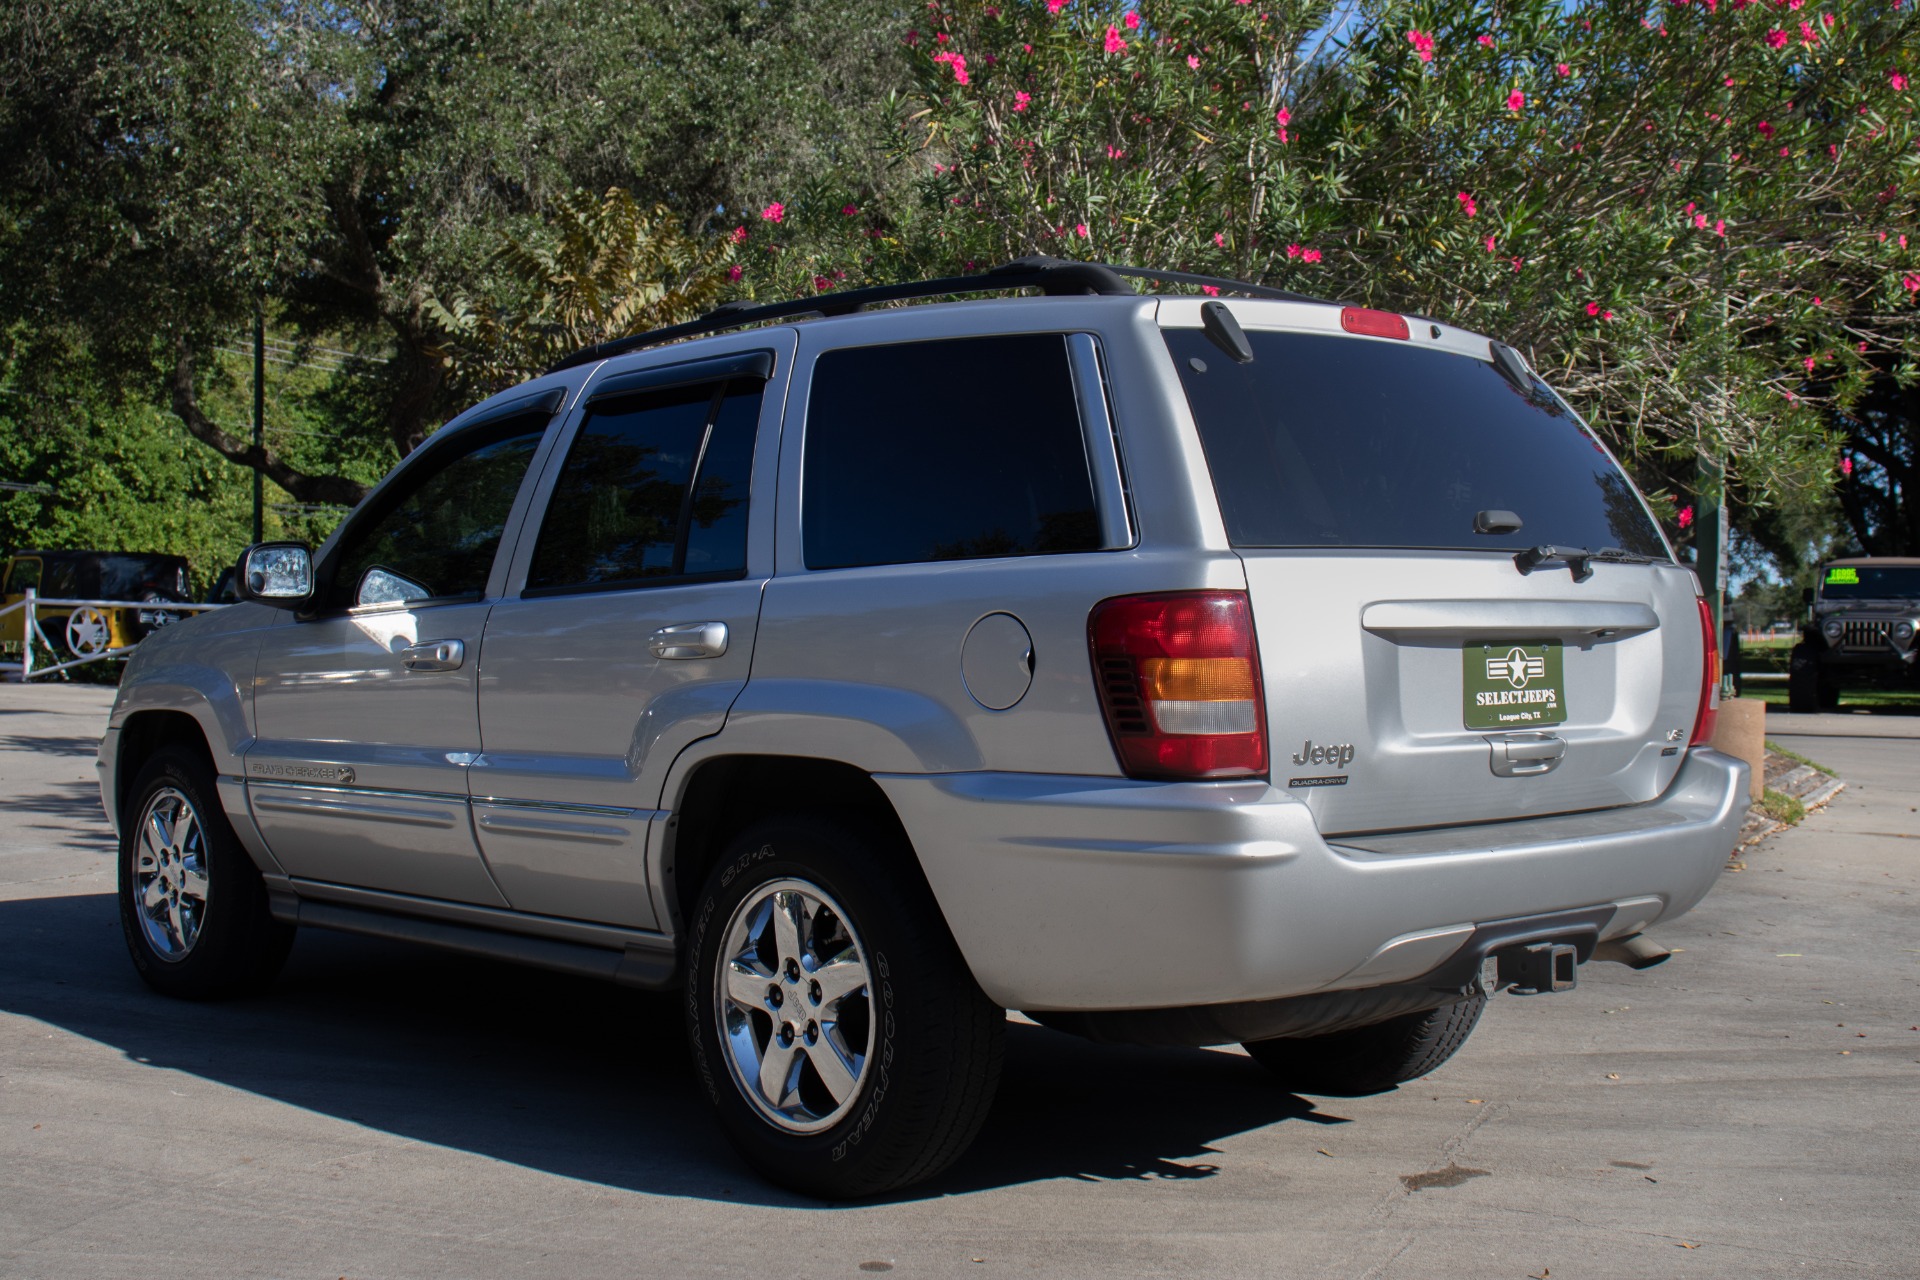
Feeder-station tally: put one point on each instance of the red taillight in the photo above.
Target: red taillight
(1180, 682)
(1374, 324)
(1709, 709)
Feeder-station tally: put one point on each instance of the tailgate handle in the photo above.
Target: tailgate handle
(1521, 755)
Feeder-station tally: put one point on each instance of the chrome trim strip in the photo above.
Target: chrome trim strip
(553, 830)
(596, 935)
(557, 806)
(354, 808)
(1103, 450)
(432, 797)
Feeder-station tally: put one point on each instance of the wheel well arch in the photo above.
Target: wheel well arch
(727, 794)
(146, 732)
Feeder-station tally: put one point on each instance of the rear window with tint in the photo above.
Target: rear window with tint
(958, 449)
(1328, 441)
(1871, 582)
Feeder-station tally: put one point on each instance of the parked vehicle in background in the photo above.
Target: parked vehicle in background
(88, 630)
(1174, 670)
(1861, 631)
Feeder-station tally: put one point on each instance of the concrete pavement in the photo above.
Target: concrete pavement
(1748, 1110)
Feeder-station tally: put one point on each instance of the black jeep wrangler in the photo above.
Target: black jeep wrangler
(1861, 631)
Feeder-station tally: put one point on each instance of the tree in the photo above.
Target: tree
(611, 269)
(168, 167)
(1691, 215)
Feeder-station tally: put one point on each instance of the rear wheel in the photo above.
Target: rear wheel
(192, 904)
(1370, 1059)
(834, 1025)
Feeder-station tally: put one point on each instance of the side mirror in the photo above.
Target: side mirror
(277, 573)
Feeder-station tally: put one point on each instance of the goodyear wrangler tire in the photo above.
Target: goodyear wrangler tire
(834, 1025)
(1371, 1059)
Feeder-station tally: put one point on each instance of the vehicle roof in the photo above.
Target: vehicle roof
(145, 555)
(1880, 562)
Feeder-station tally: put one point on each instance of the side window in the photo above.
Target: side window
(654, 488)
(950, 450)
(435, 539)
(21, 575)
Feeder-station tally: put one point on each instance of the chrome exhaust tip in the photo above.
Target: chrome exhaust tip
(1636, 951)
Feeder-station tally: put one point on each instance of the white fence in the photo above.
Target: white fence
(87, 633)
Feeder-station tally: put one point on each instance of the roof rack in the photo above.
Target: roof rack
(1052, 276)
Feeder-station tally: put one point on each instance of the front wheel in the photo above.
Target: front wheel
(1371, 1059)
(192, 904)
(834, 1025)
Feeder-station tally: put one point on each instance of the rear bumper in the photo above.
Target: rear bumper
(1075, 893)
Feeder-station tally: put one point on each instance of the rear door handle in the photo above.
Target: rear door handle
(689, 640)
(1520, 755)
(434, 655)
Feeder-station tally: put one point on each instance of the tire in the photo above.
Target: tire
(193, 907)
(908, 1049)
(1370, 1059)
(1803, 680)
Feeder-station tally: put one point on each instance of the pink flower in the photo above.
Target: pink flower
(913, 38)
(1898, 81)
(1281, 117)
(1219, 239)
(1700, 221)
(1020, 99)
(1766, 130)
(1519, 263)
(1808, 36)
(1080, 229)
(1720, 226)
(1467, 205)
(821, 284)
(1776, 39)
(1809, 363)
(1055, 6)
(1911, 283)
(1786, 151)
(1115, 44)
(1309, 255)
(1211, 290)
(1816, 300)
(1606, 315)
(1563, 68)
(1133, 20)
(1113, 152)
(1486, 42)
(1516, 100)
(1593, 308)
(1422, 44)
(734, 273)
(1193, 63)
(849, 211)
(1686, 515)
(1293, 251)
(1846, 464)
(959, 64)
(1489, 244)
(739, 235)
(775, 212)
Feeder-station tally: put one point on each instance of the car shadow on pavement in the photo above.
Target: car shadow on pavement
(579, 1078)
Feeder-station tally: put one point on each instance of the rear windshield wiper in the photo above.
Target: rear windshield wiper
(1578, 559)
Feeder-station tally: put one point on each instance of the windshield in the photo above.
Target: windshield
(1870, 582)
(1328, 441)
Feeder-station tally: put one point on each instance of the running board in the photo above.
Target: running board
(651, 968)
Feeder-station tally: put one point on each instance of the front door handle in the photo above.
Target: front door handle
(434, 655)
(689, 640)
(1521, 755)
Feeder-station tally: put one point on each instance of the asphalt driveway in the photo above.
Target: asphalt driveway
(1750, 1109)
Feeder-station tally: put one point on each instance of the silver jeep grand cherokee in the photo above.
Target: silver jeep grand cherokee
(1174, 670)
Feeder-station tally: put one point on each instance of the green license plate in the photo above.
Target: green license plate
(1512, 686)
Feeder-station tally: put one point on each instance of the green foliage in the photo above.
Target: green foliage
(610, 269)
(1691, 215)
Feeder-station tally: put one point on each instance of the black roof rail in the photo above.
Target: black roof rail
(1052, 276)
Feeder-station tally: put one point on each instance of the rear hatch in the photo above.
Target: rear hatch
(1416, 674)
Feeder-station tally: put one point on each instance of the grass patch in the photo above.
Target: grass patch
(1797, 758)
(1783, 808)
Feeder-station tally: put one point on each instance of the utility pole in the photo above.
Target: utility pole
(259, 418)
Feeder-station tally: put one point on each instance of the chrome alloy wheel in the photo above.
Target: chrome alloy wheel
(170, 874)
(793, 1005)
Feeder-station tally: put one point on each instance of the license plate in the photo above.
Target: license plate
(1512, 686)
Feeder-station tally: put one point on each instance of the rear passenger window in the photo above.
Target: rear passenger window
(951, 450)
(654, 488)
